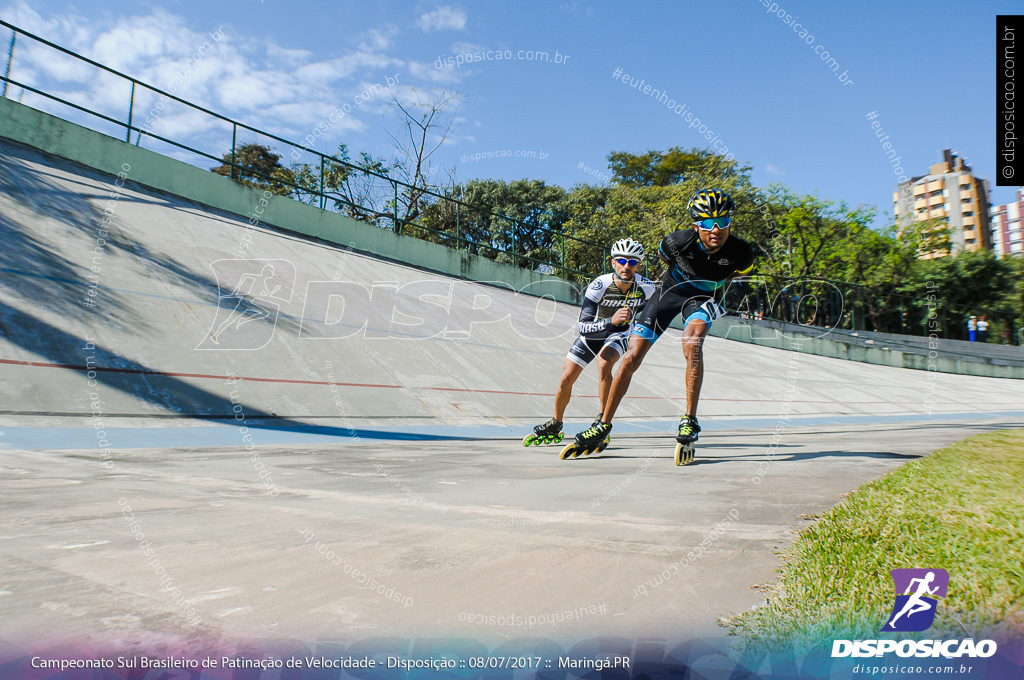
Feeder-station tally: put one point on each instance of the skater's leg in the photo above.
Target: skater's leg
(570, 372)
(638, 348)
(693, 349)
(605, 362)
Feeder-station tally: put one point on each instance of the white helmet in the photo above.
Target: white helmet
(629, 248)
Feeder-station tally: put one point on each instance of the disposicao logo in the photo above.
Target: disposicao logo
(914, 611)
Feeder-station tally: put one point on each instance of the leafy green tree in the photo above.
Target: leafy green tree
(648, 200)
(313, 180)
(601, 216)
(523, 217)
(969, 283)
(257, 166)
(1011, 303)
(659, 169)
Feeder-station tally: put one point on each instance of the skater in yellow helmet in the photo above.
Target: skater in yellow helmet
(700, 261)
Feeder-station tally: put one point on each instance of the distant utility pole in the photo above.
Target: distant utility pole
(10, 58)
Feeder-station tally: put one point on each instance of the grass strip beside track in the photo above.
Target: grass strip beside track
(960, 509)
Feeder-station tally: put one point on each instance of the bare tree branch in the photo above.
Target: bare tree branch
(419, 138)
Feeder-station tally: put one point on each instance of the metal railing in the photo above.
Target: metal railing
(829, 303)
(388, 216)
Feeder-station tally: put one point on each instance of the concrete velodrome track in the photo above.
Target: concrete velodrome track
(194, 445)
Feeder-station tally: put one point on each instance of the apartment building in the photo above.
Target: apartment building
(951, 192)
(1008, 227)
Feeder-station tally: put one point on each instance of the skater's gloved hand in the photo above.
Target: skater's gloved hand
(620, 317)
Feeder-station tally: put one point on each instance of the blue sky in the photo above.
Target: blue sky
(927, 69)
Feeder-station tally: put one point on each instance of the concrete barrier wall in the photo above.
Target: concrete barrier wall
(985, 352)
(733, 328)
(61, 138)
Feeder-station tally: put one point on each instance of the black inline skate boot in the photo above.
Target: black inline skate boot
(548, 433)
(595, 438)
(689, 430)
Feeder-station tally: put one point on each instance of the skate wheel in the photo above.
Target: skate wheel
(560, 437)
(529, 439)
(685, 453)
(604, 445)
(568, 452)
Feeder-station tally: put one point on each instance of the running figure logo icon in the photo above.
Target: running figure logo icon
(914, 611)
(248, 291)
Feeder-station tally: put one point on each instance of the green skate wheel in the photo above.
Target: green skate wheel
(529, 439)
(560, 437)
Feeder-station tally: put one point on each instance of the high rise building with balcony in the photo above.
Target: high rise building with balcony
(952, 193)
(1008, 227)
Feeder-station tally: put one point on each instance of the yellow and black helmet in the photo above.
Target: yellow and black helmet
(708, 203)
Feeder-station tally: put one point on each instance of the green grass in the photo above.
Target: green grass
(960, 509)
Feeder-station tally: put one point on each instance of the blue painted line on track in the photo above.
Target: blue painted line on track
(268, 433)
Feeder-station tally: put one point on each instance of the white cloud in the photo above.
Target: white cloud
(430, 72)
(774, 169)
(444, 18)
(466, 48)
(375, 40)
(287, 56)
(281, 89)
(248, 91)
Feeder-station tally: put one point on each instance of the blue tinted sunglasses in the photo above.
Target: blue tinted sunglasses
(630, 262)
(714, 223)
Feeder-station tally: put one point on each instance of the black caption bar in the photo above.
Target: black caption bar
(1009, 149)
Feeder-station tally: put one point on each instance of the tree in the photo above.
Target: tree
(1011, 302)
(257, 166)
(358, 189)
(599, 216)
(970, 282)
(425, 124)
(817, 231)
(321, 178)
(525, 217)
(649, 199)
(638, 170)
(657, 169)
(517, 222)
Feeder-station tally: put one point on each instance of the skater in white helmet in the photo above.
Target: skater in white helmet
(610, 303)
